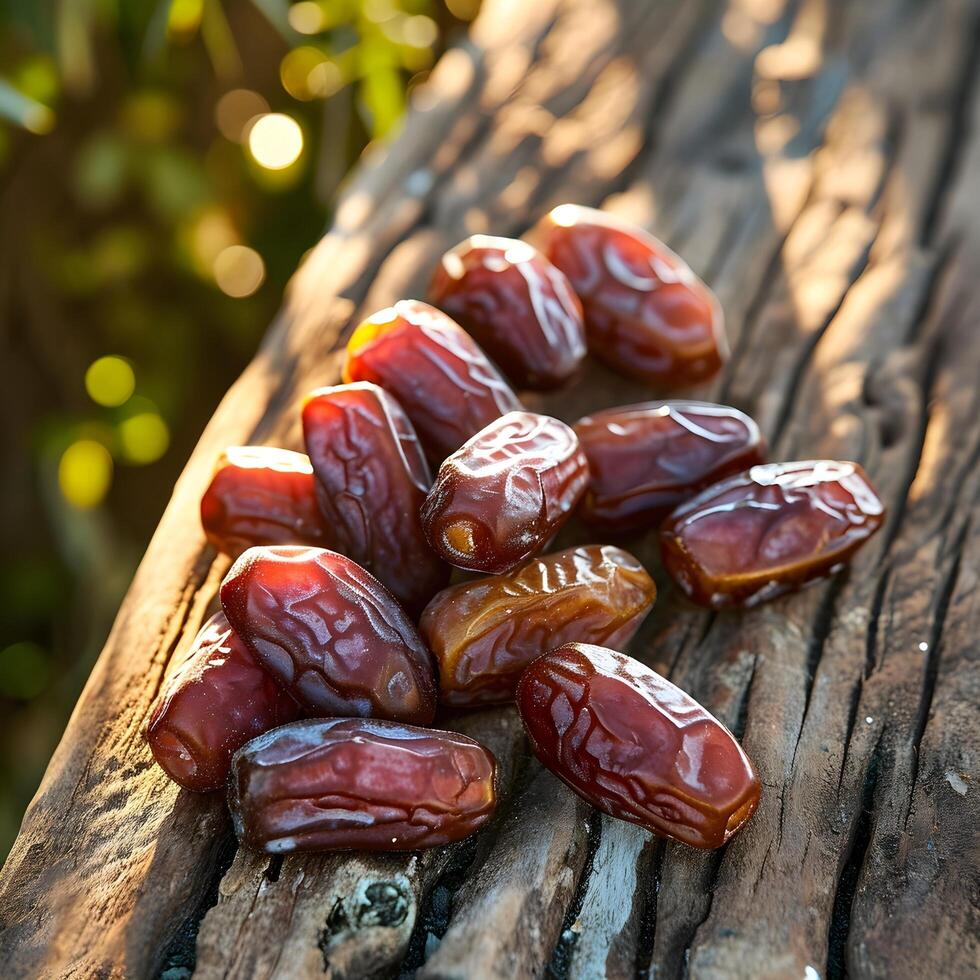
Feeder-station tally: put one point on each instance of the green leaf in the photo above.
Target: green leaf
(383, 96)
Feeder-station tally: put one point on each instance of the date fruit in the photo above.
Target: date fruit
(359, 783)
(435, 370)
(646, 459)
(216, 700)
(646, 314)
(635, 746)
(517, 306)
(484, 633)
(372, 478)
(260, 495)
(501, 497)
(330, 633)
(769, 530)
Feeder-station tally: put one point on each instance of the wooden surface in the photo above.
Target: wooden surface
(819, 163)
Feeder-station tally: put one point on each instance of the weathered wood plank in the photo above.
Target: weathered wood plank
(817, 162)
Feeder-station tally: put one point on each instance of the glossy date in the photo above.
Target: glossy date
(646, 314)
(260, 495)
(484, 633)
(330, 633)
(216, 700)
(358, 783)
(435, 370)
(635, 746)
(372, 478)
(517, 306)
(646, 459)
(500, 498)
(769, 530)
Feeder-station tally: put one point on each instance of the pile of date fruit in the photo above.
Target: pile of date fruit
(310, 693)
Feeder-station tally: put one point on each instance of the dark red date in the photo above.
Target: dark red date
(502, 496)
(517, 306)
(216, 700)
(646, 459)
(646, 314)
(770, 530)
(440, 377)
(635, 746)
(354, 783)
(372, 478)
(484, 633)
(261, 495)
(330, 633)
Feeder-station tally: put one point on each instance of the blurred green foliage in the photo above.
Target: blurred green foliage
(147, 230)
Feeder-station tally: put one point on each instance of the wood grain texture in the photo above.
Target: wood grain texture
(818, 162)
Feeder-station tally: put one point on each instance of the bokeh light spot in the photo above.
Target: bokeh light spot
(236, 109)
(463, 9)
(143, 438)
(208, 234)
(325, 79)
(85, 473)
(239, 270)
(420, 31)
(184, 17)
(275, 141)
(378, 11)
(306, 17)
(39, 119)
(110, 381)
(296, 70)
(24, 671)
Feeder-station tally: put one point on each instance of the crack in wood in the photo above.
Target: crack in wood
(180, 954)
(559, 962)
(436, 911)
(819, 632)
(932, 654)
(742, 714)
(850, 871)
(647, 933)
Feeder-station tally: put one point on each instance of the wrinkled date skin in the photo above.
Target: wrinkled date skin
(517, 306)
(637, 747)
(260, 495)
(372, 478)
(770, 530)
(331, 634)
(502, 496)
(356, 783)
(484, 633)
(435, 370)
(646, 459)
(646, 314)
(216, 701)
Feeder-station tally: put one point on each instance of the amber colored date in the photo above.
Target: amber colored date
(260, 495)
(357, 783)
(372, 478)
(637, 747)
(330, 633)
(216, 700)
(517, 306)
(435, 370)
(769, 530)
(646, 459)
(646, 314)
(484, 633)
(500, 498)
